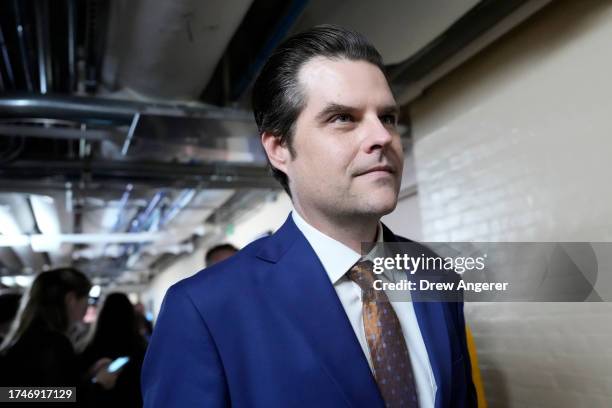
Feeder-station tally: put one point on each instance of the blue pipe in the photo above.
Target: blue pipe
(143, 221)
(122, 203)
(140, 223)
(177, 206)
(281, 30)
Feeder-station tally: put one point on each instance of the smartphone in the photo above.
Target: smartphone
(117, 364)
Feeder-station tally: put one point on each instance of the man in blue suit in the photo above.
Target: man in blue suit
(290, 320)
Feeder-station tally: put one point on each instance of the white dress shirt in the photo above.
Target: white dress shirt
(337, 259)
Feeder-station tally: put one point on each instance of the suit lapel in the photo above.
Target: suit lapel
(432, 324)
(304, 291)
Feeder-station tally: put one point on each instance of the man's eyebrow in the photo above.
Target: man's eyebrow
(389, 110)
(333, 108)
(336, 108)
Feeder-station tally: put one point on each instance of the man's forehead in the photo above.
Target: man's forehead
(343, 82)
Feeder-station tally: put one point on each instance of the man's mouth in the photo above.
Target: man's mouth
(378, 169)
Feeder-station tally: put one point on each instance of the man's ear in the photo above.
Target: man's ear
(278, 153)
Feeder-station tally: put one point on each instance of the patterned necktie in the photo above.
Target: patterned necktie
(390, 359)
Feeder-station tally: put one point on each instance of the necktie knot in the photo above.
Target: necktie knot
(362, 273)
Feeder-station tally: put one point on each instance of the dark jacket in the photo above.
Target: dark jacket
(41, 357)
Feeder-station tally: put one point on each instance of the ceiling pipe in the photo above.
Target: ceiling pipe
(64, 133)
(115, 110)
(130, 134)
(23, 51)
(177, 206)
(7, 62)
(119, 222)
(143, 220)
(44, 241)
(282, 29)
(149, 221)
(72, 23)
(95, 27)
(216, 175)
(122, 204)
(41, 10)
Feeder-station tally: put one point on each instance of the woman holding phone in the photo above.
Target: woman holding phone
(117, 336)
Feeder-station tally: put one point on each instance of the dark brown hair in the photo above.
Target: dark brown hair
(277, 98)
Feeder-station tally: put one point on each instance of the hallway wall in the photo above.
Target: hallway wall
(516, 146)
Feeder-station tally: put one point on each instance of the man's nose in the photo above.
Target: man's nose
(378, 135)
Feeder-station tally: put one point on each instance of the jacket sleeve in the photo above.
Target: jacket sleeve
(182, 367)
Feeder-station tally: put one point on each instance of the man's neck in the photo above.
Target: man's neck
(351, 231)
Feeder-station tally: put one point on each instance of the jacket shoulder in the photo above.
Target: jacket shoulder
(232, 275)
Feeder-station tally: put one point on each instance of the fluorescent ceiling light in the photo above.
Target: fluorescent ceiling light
(8, 225)
(19, 280)
(14, 240)
(45, 213)
(45, 243)
(24, 280)
(8, 281)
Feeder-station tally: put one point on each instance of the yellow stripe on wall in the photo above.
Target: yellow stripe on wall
(482, 402)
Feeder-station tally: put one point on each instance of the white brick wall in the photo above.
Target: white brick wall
(516, 145)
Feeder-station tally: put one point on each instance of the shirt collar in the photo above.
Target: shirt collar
(336, 257)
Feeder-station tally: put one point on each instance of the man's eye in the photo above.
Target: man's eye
(342, 118)
(389, 120)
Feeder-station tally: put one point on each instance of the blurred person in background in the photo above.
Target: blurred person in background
(116, 334)
(9, 305)
(145, 327)
(37, 350)
(219, 253)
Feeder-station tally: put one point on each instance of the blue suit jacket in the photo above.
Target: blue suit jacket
(265, 328)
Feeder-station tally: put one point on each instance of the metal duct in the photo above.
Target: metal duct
(115, 110)
(200, 133)
(168, 49)
(53, 218)
(17, 218)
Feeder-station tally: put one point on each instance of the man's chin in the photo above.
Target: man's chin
(385, 196)
(383, 204)
(388, 209)
(374, 201)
